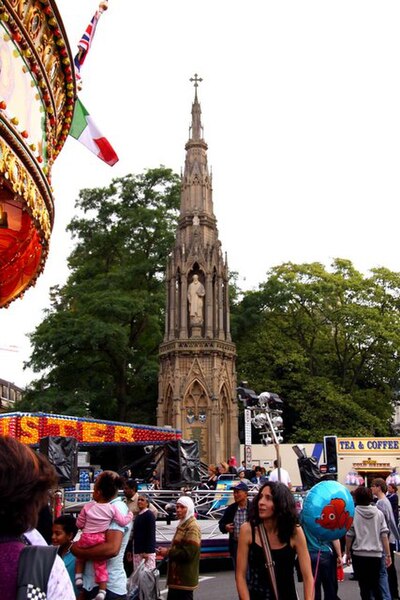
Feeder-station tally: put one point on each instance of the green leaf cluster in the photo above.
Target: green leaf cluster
(97, 347)
(328, 342)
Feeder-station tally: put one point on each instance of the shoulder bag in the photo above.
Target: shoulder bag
(34, 568)
(269, 563)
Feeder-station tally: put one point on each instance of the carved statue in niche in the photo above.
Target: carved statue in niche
(196, 293)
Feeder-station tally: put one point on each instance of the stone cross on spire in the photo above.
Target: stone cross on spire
(196, 128)
(196, 80)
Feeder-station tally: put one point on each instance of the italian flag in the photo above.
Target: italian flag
(85, 131)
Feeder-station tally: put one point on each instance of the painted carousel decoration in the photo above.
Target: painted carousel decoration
(37, 96)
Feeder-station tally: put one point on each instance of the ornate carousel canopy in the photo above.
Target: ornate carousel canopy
(37, 95)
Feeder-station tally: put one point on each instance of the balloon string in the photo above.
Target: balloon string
(316, 567)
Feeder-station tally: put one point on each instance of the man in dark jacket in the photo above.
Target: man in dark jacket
(234, 516)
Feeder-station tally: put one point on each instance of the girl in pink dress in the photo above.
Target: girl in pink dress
(94, 520)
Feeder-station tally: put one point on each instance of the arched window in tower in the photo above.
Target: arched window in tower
(214, 301)
(225, 302)
(178, 295)
(224, 421)
(196, 416)
(168, 408)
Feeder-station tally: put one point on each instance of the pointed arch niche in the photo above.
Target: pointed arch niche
(224, 420)
(196, 417)
(169, 408)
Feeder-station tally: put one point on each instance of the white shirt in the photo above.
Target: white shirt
(115, 566)
(285, 477)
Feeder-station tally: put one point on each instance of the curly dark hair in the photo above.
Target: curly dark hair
(68, 523)
(284, 510)
(108, 483)
(25, 481)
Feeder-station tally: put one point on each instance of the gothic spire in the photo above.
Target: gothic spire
(196, 128)
(196, 195)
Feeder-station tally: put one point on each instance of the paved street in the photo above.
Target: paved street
(220, 585)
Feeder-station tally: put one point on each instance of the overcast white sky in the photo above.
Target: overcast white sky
(301, 112)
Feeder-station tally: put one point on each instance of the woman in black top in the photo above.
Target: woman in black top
(144, 535)
(274, 509)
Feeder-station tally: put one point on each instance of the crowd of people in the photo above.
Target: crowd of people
(266, 538)
(257, 475)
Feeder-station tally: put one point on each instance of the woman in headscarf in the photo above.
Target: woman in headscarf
(184, 553)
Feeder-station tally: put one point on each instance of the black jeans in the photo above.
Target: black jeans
(326, 574)
(392, 574)
(180, 594)
(109, 596)
(367, 569)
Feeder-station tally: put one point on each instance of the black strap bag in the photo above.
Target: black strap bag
(34, 568)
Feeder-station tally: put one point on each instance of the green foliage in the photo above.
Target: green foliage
(98, 344)
(328, 342)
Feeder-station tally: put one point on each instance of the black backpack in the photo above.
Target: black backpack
(34, 568)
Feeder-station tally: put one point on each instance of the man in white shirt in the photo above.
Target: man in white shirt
(280, 475)
(112, 550)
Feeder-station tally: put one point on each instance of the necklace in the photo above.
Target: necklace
(60, 553)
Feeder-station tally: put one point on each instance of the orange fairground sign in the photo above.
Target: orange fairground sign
(29, 428)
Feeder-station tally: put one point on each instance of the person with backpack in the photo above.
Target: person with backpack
(27, 570)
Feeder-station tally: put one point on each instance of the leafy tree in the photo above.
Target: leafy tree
(328, 342)
(98, 343)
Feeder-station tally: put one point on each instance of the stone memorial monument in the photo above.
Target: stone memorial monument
(197, 377)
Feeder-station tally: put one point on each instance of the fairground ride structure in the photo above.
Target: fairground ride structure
(37, 96)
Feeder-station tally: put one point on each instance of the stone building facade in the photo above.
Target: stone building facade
(197, 377)
(9, 394)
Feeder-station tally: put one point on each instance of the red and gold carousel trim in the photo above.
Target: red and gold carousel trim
(37, 95)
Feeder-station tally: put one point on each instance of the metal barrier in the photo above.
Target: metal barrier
(209, 504)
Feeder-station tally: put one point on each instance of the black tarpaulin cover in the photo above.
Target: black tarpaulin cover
(182, 463)
(62, 453)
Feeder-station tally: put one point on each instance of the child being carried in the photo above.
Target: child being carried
(94, 520)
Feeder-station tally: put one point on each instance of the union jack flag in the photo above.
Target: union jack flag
(86, 41)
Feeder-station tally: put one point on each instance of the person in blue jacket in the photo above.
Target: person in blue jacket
(234, 516)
